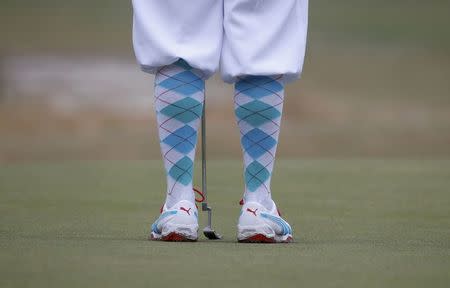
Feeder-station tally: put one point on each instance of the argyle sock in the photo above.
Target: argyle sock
(179, 98)
(258, 104)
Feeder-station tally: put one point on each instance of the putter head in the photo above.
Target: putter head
(211, 234)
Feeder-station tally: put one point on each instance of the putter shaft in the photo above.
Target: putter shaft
(207, 231)
(204, 189)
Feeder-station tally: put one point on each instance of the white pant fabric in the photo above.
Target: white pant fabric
(246, 37)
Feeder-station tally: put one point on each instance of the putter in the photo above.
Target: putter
(207, 231)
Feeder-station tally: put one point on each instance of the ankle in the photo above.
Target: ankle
(267, 202)
(177, 196)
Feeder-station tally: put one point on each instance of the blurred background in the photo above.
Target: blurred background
(364, 154)
(375, 84)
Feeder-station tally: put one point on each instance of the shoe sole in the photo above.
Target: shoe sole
(172, 237)
(261, 238)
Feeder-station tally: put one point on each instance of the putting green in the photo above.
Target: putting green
(358, 223)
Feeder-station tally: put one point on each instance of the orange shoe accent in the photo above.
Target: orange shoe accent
(258, 238)
(261, 238)
(173, 237)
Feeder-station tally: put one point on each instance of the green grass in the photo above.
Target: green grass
(358, 223)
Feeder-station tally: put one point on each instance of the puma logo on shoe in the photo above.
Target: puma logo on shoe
(186, 210)
(252, 211)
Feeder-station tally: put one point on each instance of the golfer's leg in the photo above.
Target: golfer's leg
(189, 32)
(179, 96)
(258, 103)
(180, 42)
(264, 47)
(258, 107)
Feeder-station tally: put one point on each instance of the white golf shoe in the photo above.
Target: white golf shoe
(177, 223)
(259, 225)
